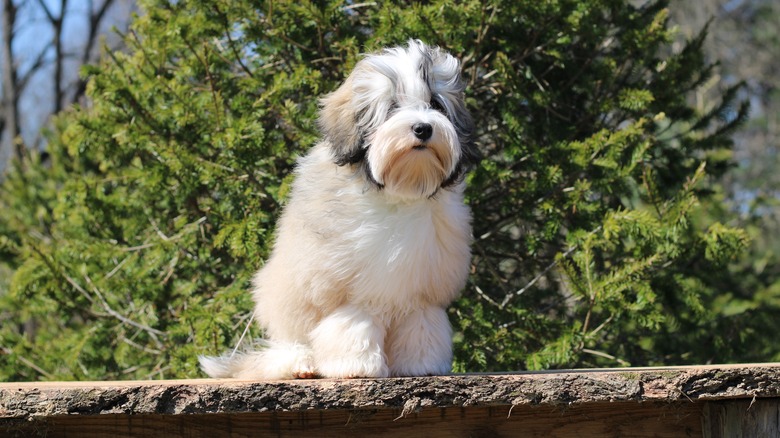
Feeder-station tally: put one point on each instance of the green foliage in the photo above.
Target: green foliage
(132, 245)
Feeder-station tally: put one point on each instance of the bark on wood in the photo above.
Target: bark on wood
(581, 400)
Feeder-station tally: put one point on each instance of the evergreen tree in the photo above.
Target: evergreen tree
(132, 245)
(745, 39)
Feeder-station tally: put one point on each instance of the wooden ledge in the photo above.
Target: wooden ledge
(621, 396)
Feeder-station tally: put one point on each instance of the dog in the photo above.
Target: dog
(374, 242)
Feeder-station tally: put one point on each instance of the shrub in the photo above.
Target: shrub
(132, 244)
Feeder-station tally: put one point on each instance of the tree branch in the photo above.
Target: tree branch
(10, 97)
(95, 20)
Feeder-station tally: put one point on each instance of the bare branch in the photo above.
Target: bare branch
(95, 19)
(141, 347)
(46, 10)
(153, 333)
(607, 356)
(29, 363)
(39, 62)
(59, 58)
(10, 96)
(544, 272)
(94, 25)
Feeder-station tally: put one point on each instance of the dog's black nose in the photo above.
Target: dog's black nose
(423, 131)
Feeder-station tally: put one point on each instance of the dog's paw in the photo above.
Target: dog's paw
(348, 344)
(363, 366)
(306, 372)
(421, 344)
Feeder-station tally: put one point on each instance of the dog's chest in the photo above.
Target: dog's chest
(407, 254)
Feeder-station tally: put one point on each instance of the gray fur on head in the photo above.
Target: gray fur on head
(416, 78)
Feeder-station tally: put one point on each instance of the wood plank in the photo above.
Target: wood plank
(742, 418)
(671, 401)
(597, 420)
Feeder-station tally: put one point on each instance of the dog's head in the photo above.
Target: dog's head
(401, 120)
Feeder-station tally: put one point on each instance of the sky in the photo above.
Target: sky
(33, 38)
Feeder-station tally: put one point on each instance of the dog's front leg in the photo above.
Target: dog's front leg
(421, 344)
(349, 343)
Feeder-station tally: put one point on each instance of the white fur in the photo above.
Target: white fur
(271, 360)
(369, 254)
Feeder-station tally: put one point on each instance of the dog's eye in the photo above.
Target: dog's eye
(437, 105)
(393, 107)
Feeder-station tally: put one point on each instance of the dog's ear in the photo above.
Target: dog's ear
(339, 124)
(469, 153)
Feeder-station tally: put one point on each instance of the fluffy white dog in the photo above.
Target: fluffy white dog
(374, 242)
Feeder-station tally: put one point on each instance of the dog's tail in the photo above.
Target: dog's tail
(271, 361)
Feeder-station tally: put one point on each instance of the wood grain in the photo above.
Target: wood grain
(598, 420)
